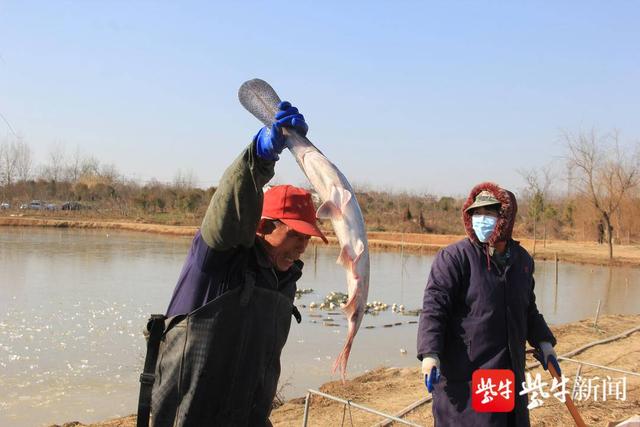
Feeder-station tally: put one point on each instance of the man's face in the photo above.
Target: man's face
(285, 245)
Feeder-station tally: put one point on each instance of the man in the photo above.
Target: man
(600, 232)
(220, 356)
(479, 308)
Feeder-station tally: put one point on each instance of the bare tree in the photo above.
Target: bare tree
(90, 166)
(7, 163)
(3, 173)
(185, 180)
(74, 168)
(537, 191)
(605, 172)
(15, 163)
(55, 169)
(109, 173)
(24, 160)
(3, 149)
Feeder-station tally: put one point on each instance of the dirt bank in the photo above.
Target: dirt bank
(97, 224)
(389, 389)
(567, 251)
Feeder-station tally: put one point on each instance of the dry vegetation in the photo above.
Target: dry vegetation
(597, 194)
(410, 222)
(566, 218)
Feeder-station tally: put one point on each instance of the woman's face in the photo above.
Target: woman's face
(486, 210)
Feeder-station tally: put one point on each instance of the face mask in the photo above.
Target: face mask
(483, 225)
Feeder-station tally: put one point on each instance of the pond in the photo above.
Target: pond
(73, 304)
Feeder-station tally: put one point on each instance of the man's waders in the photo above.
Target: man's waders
(220, 364)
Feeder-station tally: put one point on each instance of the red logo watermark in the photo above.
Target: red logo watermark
(493, 390)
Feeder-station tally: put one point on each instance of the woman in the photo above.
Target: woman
(479, 309)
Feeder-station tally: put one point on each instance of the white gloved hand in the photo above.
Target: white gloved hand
(428, 362)
(431, 377)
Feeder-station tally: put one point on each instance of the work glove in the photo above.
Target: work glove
(270, 140)
(546, 354)
(430, 370)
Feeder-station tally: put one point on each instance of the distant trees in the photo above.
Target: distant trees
(409, 213)
(605, 172)
(79, 165)
(446, 203)
(603, 181)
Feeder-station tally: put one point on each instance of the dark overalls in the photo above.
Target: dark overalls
(220, 364)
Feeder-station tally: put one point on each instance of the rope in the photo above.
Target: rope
(635, 374)
(9, 125)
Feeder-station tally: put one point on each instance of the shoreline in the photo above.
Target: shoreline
(566, 251)
(390, 389)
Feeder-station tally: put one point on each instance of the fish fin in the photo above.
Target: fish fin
(328, 210)
(345, 258)
(359, 250)
(347, 261)
(332, 208)
(340, 197)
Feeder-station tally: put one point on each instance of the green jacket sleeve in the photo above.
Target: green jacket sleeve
(235, 208)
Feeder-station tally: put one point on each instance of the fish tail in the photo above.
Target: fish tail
(350, 309)
(342, 359)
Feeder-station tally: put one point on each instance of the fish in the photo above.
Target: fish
(339, 205)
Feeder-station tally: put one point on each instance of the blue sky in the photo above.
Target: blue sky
(417, 96)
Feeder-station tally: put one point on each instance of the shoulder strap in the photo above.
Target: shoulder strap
(247, 287)
(155, 327)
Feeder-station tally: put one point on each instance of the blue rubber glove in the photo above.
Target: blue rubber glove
(270, 140)
(432, 379)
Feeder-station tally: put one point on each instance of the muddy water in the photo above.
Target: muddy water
(73, 303)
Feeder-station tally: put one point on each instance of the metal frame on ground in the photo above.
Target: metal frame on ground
(348, 404)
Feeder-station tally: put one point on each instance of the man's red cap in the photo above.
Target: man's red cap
(294, 207)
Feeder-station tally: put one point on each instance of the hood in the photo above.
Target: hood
(506, 216)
